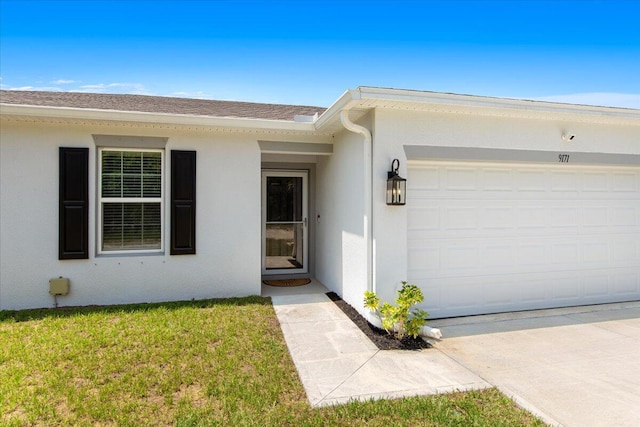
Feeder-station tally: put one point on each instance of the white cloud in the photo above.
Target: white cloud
(63, 82)
(604, 99)
(37, 88)
(62, 85)
(132, 88)
(194, 95)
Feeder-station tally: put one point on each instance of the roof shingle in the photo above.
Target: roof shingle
(158, 104)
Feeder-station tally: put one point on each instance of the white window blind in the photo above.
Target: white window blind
(131, 193)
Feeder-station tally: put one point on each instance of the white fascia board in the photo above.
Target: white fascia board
(438, 98)
(348, 100)
(372, 97)
(159, 118)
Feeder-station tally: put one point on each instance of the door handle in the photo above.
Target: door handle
(305, 221)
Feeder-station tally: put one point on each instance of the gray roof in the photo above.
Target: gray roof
(158, 104)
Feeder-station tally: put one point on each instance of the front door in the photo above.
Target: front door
(284, 222)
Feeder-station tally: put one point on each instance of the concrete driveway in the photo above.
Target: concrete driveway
(572, 367)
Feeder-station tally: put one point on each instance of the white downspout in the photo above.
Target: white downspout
(368, 183)
(426, 330)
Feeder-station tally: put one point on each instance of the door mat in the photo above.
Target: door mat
(285, 283)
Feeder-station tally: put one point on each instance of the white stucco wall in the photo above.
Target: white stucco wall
(341, 248)
(394, 129)
(227, 262)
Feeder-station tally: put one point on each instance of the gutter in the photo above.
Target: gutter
(368, 183)
(348, 100)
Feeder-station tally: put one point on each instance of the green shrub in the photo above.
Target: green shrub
(399, 318)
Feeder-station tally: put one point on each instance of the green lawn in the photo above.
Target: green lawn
(215, 362)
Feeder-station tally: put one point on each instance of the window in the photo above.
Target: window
(131, 195)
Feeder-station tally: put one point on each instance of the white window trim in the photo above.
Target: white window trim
(101, 200)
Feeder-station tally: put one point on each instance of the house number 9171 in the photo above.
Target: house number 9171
(563, 158)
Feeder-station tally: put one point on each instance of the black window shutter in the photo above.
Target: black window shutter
(73, 237)
(183, 202)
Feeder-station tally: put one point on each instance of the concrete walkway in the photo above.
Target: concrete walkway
(337, 362)
(572, 367)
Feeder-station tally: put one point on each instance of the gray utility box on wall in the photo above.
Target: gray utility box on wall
(59, 286)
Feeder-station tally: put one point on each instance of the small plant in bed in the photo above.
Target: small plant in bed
(381, 338)
(399, 319)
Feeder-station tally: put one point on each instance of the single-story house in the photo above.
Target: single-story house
(509, 204)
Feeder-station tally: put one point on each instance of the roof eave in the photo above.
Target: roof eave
(491, 102)
(348, 100)
(157, 118)
(366, 98)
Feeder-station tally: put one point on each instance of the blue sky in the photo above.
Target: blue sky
(303, 52)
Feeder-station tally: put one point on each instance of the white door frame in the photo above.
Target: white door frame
(305, 215)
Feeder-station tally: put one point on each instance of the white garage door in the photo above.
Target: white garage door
(486, 238)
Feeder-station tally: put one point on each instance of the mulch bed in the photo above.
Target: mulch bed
(381, 338)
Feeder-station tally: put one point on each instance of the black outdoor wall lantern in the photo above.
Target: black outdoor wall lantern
(396, 185)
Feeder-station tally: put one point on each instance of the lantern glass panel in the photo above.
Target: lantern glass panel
(396, 190)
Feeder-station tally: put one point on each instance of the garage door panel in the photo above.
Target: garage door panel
(427, 260)
(568, 287)
(527, 250)
(466, 296)
(625, 216)
(461, 218)
(460, 179)
(521, 237)
(596, 252)
(597, 287)
(499, 293)
(625, 283)
(565, 217)
(595, 182)
(499, 255)
(531, 180)
(433, 300)
(533, 290)
(624, 182)
(427, 178)
(497, 179)
(461, 258)
(595, 216)
(531, 215)
(564, 182)
(566, 254)
(498, 217)
(534, 254)
(625, 252)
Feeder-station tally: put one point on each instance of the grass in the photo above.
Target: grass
(214, 362)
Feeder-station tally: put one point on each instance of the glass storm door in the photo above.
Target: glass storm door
(284, 222)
